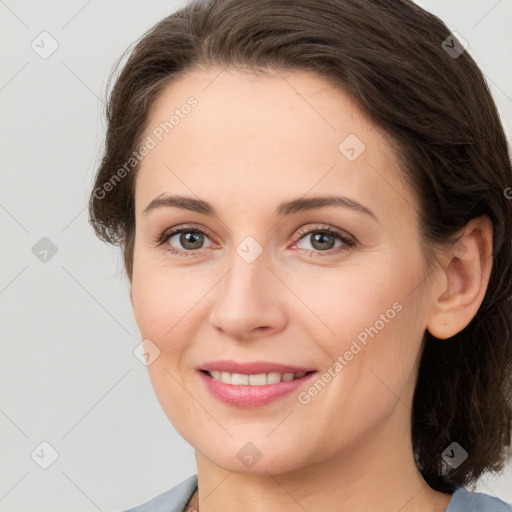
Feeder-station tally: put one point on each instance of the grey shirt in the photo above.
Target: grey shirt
(176, 499)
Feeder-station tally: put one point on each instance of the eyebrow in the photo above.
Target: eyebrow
(286, 208)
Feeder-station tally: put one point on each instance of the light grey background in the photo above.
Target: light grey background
(68, 376)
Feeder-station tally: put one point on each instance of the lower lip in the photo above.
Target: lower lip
(251, 396)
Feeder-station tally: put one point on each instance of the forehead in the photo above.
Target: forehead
(278, 134)
(257, 108)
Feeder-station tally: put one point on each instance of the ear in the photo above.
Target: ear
(467, 269)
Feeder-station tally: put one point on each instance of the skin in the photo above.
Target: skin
(250, 144)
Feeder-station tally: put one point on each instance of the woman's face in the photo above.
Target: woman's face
(259, 279)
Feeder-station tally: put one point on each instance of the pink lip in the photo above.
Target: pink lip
(248, 396)
(253, 368)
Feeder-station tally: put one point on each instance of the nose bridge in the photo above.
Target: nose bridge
(248, 262)
(247, 281)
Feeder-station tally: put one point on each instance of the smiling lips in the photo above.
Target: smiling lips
(251, 384)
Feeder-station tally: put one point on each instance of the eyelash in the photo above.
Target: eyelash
(348, 243)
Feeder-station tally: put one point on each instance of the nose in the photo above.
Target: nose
(250, 301)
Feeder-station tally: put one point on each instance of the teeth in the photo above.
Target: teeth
(260, 379)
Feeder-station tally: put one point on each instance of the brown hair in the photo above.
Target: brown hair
(393, 59)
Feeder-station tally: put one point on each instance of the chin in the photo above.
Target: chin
(253, 457)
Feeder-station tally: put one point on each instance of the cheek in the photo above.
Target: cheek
(170, 305)
(368, 334)
(345, 301)
(163, 307)
(160, 304)
(367, 316)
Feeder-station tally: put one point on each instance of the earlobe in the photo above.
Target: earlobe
(466, 277)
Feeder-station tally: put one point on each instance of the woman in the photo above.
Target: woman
(311, 201)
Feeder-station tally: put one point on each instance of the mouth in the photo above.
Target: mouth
(253, 390)
(259, 379)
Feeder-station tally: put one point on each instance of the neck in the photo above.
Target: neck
(376, 473)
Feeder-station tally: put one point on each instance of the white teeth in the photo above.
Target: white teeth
(261, 379)
(238, 378)
(256, 380)
(273, 378)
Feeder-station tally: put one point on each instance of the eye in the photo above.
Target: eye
(189, 238)
(323, 240)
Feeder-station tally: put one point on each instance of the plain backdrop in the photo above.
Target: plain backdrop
(68, 376)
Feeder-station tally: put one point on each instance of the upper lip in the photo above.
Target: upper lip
(252, 368)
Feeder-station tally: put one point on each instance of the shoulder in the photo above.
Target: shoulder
(467, 501)
(173, 500)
